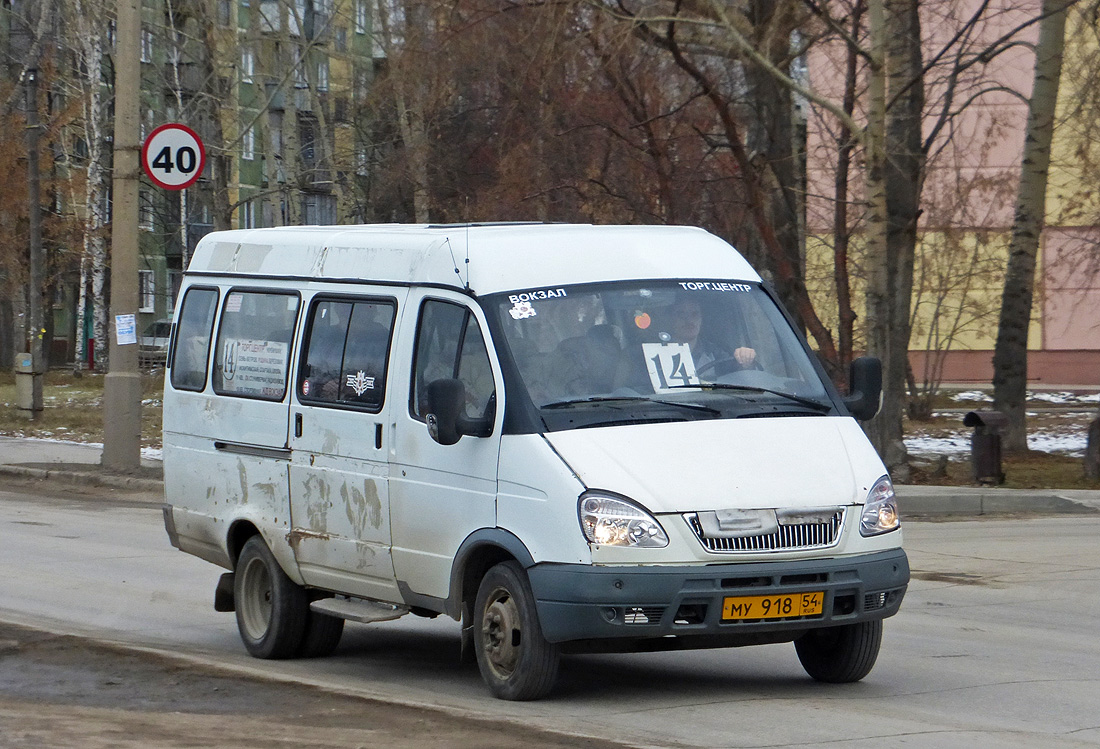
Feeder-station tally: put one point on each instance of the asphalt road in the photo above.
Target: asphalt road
(995, 644)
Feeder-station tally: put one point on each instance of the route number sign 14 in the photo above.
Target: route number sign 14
(173, 156)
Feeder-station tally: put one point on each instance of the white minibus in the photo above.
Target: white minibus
(568, 438)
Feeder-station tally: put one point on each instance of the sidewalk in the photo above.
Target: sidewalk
(73, 463)
(76, 463)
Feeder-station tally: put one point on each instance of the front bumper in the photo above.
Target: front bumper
(583, 603)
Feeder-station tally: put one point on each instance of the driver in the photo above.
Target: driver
(685, 325)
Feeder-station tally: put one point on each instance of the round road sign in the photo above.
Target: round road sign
(173, 156)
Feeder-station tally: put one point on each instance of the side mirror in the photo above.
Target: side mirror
(446, 418)
(864, 388)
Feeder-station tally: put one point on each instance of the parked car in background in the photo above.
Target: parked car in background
(153, 344)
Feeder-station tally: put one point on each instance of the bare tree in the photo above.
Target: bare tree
(890, 262)
(90, 22)
(1010, 353)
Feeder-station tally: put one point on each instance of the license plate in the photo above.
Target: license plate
(737, 608)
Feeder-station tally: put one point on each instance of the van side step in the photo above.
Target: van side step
(358, 609)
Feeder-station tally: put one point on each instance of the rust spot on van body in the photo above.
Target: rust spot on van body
(294, 538)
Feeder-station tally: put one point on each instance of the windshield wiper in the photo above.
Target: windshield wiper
(632, 399)
(809, 402)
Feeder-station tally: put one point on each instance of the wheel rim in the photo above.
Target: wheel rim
(255, 603)
(501, 633)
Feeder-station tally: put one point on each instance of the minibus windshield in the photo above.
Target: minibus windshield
(656, 350)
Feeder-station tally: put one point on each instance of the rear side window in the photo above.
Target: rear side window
(254, 341)
(192, 348)
(449, 345)
(346, 353)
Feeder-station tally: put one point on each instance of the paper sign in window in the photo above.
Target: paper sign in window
(670, 366)
(255, 368)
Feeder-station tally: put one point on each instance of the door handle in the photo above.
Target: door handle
(297, 425)
(377, 436)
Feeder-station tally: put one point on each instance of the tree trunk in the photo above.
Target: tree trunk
(899, 194)
(846, 316)
(213, 134)
(410, 102)
(292, 144)
(771, 134)
(1092, 452)
(877, 292)
(1010, 352)
(90, 25)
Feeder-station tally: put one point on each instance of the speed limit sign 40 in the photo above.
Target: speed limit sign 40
(173, 156)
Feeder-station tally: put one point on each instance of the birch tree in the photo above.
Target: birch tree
(90, 24)
(1010, 353)
(894, 181)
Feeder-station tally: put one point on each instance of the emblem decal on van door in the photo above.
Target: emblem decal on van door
(360, 383)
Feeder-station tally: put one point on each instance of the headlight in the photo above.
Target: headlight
(615, 522)
(880, 513)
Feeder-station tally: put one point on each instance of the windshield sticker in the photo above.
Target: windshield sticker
(714, 286)
(534, 296)
(670, 366)
(522, 310)
(642, 320)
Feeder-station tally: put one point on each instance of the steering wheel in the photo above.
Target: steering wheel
(712, 366)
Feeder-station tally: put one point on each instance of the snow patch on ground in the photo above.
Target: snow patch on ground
(1068, 442)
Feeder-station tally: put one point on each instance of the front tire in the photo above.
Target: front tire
(514, 658)
(272, 610)
(840, 655)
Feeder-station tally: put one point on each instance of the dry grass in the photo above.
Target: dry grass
(73, 408)
(1031, 470)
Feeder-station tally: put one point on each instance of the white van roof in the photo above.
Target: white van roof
(486, 258)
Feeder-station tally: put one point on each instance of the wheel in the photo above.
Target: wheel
(514, 658)
(322, 635)
(840, 655)
(727, 365)
(272, 610)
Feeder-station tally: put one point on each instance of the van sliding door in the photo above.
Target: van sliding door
(339, 475)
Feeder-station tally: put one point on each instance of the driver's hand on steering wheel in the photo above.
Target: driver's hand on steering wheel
(745, 356)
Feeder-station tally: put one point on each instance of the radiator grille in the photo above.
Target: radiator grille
(643, 614)
(796, 537)
(873, 601)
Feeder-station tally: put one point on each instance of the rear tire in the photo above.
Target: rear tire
(840, 655)
(272, 610)
(322, 635)
(514, 658)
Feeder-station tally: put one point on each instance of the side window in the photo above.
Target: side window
(193, 333)
(346, 353)
(253, 352)
(449, 345)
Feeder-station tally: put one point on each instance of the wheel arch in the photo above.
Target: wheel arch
(239, 533)
(478, 553)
